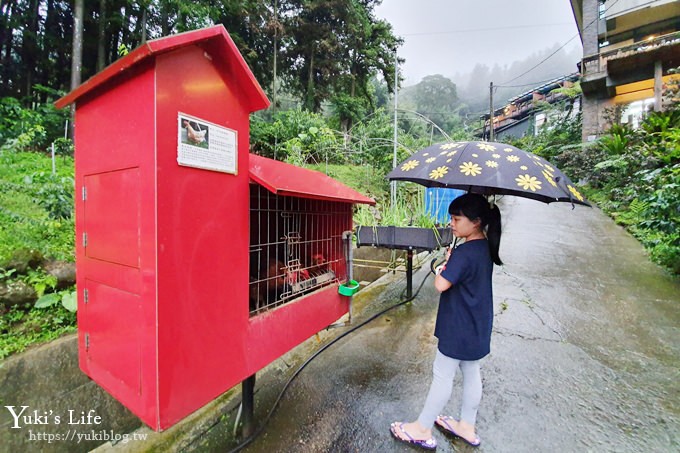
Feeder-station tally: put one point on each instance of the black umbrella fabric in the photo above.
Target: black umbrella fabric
(488, 168)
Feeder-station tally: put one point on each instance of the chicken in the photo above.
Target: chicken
(193, 135)
(269, 285)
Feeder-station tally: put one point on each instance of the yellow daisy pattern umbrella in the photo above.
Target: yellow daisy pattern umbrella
(488, 168)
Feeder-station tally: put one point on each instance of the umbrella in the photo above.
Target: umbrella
(488, 168)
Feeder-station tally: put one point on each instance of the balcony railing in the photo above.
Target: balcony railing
(595, 64)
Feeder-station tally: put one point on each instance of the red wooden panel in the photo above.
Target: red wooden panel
(112, 216)
(112, 339)
(203, 236)
(274, 333)
(115, 131)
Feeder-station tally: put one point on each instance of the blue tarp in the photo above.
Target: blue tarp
(437, 201)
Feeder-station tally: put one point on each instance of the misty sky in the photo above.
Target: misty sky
(450, 36)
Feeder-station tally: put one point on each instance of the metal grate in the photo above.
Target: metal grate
(295, 247)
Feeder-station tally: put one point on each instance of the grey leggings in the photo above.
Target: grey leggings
(444, 370)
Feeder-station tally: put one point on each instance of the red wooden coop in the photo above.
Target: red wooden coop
(198, 263)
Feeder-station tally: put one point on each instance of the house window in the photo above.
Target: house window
(635, 112)
(539, 120)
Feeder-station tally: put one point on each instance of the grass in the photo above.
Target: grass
(35, 220)
(29, 196)
(20, 329)
(409, 209)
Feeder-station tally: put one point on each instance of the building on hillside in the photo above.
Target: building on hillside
(629, 46)
(524, 114)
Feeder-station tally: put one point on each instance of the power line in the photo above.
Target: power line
(467, 30)
(561, 47)
(541, 62)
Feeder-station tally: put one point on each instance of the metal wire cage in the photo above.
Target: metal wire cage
(296, 247)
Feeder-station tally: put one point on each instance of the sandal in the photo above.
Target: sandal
(442, 422)
(427, 444)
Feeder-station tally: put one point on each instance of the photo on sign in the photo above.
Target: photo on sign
(194, 133)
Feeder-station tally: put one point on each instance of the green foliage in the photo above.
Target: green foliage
(36, 206)
(409, 210)
(6, 274)
(296, 136)
(348, 109)
(63, 147)
(436, 97)
(617, 139)
(660, 134)
(372, 141)
(68, 300)
(53, 193)
(23, 129)
(665, 250)
(335, 47)
(40, 281)
(36, 209)
(20, 329)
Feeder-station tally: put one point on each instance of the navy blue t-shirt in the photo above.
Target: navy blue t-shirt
(465, 314)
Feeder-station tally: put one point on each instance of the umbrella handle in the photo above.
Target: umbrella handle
(434, 268)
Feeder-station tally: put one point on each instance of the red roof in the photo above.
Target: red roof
(216, 39)
(288, 180)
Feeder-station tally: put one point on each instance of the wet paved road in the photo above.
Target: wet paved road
(585, 352)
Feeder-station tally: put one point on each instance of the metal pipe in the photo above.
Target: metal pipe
(347, 240)
(248, 405)
(409, 273)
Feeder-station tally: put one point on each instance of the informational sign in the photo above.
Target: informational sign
(205, 145)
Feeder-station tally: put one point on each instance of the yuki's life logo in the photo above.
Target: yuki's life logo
(35, 417)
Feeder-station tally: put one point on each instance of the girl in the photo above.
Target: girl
(463, 324)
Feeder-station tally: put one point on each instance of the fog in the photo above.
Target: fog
(451, 37)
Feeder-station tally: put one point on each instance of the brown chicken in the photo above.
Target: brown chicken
(193, 135)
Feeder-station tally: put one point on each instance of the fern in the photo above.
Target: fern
(637, 208)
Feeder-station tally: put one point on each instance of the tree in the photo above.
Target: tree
(370, 50)
(336, 46)
(325, 50)
(253, 25)
(436, 98)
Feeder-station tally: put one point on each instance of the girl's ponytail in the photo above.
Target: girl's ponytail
(493, 233)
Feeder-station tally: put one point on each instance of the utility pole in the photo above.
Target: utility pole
(491, 131)
(393, 184)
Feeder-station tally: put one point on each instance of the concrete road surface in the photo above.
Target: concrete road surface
(585, 353)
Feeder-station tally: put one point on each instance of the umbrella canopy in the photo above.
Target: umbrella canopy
(488, 168)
